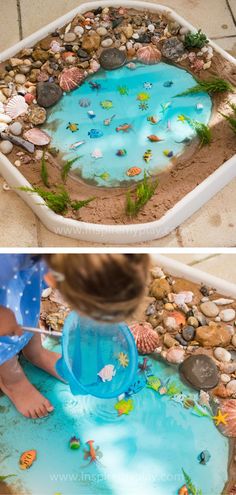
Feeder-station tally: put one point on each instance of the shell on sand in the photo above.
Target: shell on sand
(149, 55)
(145, 337)
(175, 355)
(16, 106)
(228, 407)
(70, 79)
(37, 137)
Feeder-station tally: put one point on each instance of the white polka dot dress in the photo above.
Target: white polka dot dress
(21, 284)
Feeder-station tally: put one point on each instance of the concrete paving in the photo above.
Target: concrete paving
(212, 225)
(219, 265)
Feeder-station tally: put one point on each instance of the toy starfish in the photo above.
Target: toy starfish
(181, 118)
(220, 418)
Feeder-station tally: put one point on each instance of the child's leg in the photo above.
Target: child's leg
(41, 357)
(24, 396)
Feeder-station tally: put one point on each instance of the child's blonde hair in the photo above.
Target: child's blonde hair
(102, 286)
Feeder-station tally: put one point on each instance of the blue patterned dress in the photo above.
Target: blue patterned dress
(21, 284)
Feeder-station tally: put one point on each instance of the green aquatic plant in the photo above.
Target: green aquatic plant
(195, 40)
(214, 85)
(143, 193)
(123, 90)
(4, 478)
(59, 201)
(44, 170)
(67, 167)
(203, 131)
(231, 118)
(190, 486)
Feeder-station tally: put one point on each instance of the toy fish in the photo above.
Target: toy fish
(147, 85)
(188, 402)
(199, 106)
(147, 156)
(73, 126)
(154, 139)
(153, 382)
(94, 85)
(95, 133)
(165, 106)
(131, 172)
(97, 153)
(204, 457)
(124, 128)
(168, 84)
(91, 114)
(107, 373)
(124, 406)
(181, 118)
(27, 459)
(183, 490)
(94, 454)
(76, 145)
(108, 121)
(74, 443)
(121, 152)
(153, 120)
(106, 104)
(168, 153)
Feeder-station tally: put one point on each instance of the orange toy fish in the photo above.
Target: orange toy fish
(154, 139)
(131, 172)
(93, 454)
(124, 128)
(27, 459)
(183, 490)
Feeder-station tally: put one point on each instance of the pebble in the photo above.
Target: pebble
(159, 288)
(128, 31)
(20, 78)
(6, 147)
(169, 341)
(69, 37)
(107, 43)
(213, 335)
(231, 386)
(135, 36)
(227, 314)
(234, 340)
(102, 31)
(173, 48)
(16, 128)
(200, 372)
(79, 30)
(225, 378)
(48, 94)
(188, 333)
(169, 307)
(222, 355)
(222, 301)
(151, 28)
(181, 341)
(175, 355)
(46, 292)
(228, 367)
(192, 321)
(160, 329)
(209, 309)
(171, 323)
(204, 299)
(17, 163)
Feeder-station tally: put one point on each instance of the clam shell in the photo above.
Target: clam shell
(149, 55)
(37, 137)
(145, 337)
(228, 406)
(16, 106)
(70, 79)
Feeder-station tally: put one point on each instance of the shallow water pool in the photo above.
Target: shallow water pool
(107, 121)
(143, 452)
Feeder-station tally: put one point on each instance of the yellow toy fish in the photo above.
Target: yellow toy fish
(124, 406)
(27, 459)
(147, 156)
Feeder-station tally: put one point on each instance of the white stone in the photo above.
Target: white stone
(204, 49)
(107, 42)
(79, 30)
(135, 36)
(227, 314)
(5, 119)
(151, 28)
(3, 126)
(225, 378)
(20, 78)
(222, 301)
(129, 45)
(16, 128)
(157, 272)
(102, 31)
(69, 37)
(207, 65)
(170, 323)
(46, 292)
(184, 30)
(17, 163)
(6, 147)
(222, 354)
(231, 386)
(209, 309)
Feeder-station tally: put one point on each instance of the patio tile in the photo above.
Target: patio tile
(9, 28)
(223, 266)
(18, 223)
(228, 44)
(191, 259)
(214, 224)
(233, 7)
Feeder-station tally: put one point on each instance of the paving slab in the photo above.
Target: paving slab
(232, 5)
(223, 266)
(190, 258)
(228, 44)
(9, 25)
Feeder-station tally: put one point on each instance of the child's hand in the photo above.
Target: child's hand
(8, 323)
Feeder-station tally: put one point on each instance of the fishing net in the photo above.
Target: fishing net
(98, 358)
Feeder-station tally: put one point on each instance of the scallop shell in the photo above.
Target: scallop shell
(16, 106)
(145, 337)
(37, 137)
(149, 55)
(70, 79)
(228, 407)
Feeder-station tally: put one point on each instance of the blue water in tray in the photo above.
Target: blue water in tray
(143, 452)
(110, 169)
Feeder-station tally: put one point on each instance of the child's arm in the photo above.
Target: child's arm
(8, 323)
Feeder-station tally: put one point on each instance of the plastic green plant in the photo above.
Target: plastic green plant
(67, 167)
(173, 389)
(231, 118)
(203, 131)
(190, 486)
(214, 85)
(44, 170)
(143, 193)
(4, 478)
(195, 40)
(123, 90)
(59, 201)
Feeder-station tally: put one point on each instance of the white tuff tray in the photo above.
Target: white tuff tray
(116, 234)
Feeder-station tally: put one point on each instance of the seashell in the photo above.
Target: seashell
(16, 106)
(175, 355)
(222, 301)
(37, 137)
(145, 337)
(228, 408)
(149, 55)
(179, 317)
(94, 66)
(70, 79)
(29, 98)
(1, 107)
(84, 102)
(5, 119)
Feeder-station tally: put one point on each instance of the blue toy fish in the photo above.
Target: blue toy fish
(91, 114)
(95, 133)
(168, 84)
(204, 457)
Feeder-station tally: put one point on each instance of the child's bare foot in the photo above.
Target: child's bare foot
(27, 400)
(41, 357)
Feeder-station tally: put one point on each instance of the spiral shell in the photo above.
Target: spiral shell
(16, 106)
(149, 55)
(70, 79)
(145, 337)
